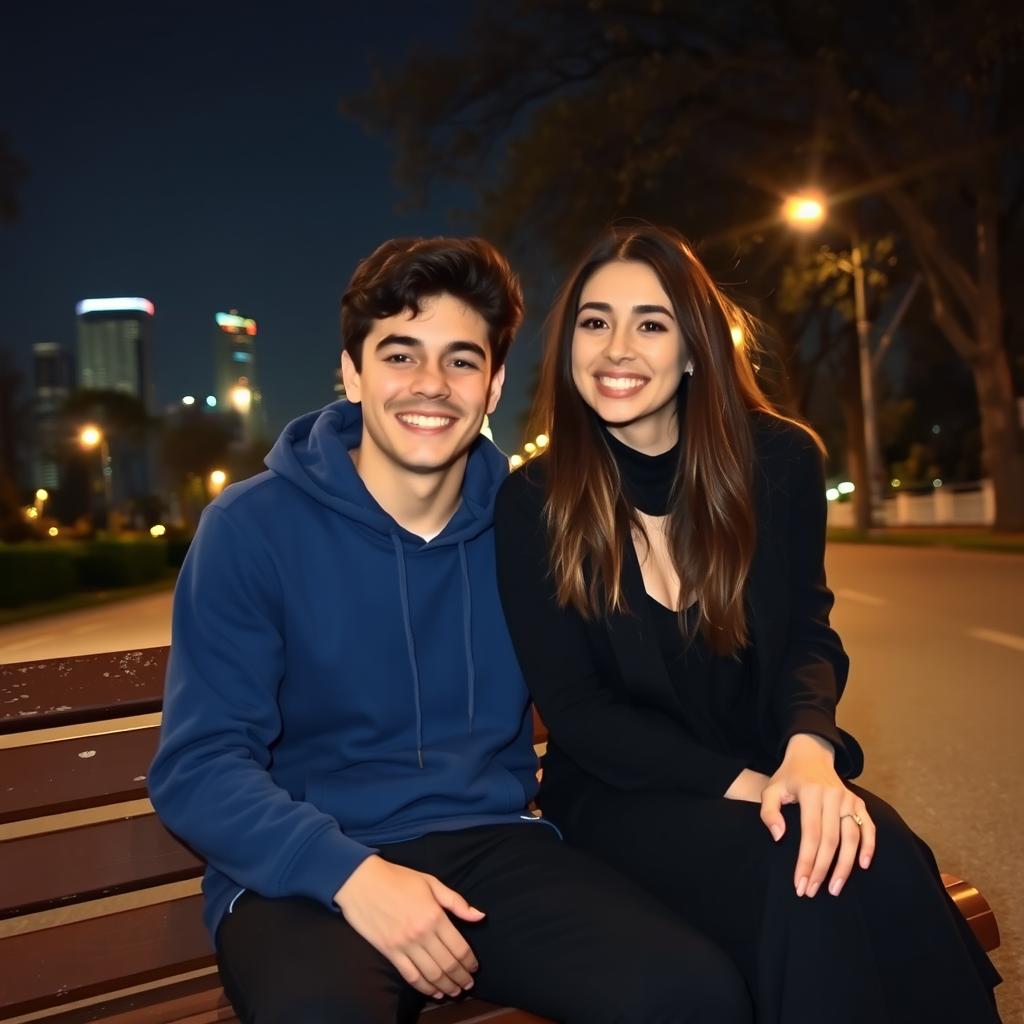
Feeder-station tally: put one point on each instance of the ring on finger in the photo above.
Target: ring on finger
(857, 819)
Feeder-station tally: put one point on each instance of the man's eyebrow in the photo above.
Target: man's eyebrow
(465, 346)
(398, 339)
(606, 307)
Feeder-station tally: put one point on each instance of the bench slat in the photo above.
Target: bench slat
(49, 778)
(59, 868)
(85, 958)
(65, 691)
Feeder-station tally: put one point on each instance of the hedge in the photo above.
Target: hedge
(35, 572)
(119, 563)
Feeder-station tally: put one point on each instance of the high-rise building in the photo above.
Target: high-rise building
(53, 379)
(115, 346)
(237, 390)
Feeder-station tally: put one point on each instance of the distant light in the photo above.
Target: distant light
(211, 401)
(896, 482)
(42, 494)
(832, 494)
(241, 398)
(90, 436)
(516, 461)
(32, 512)
(936, 429)
(485, 428)
(188, 399)
(937, 482)
(242, 357)
(806, 210)
(130, 305)
(543, 440)
(158, 530)
(846, 487)
(529, 447)
(53, 531)
(738, 335)
(235, 324)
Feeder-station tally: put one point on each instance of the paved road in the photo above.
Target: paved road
(936, 697)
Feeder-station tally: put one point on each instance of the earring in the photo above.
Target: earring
(689, 369)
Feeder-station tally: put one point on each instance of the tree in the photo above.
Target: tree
(14, 423)
(565, 115)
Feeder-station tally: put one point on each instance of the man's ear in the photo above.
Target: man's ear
(497, 382)
(350, 377)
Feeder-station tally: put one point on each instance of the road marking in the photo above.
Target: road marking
(993, 636)
(28, 642)
(861, 598)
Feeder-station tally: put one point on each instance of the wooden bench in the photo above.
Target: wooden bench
(100, 918)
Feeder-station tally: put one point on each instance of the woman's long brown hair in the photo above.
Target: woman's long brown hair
(711, 528)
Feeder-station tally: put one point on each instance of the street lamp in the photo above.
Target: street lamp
(92, 437)
(218, 478)
(806, 211)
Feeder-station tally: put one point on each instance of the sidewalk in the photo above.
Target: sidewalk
(979, 539)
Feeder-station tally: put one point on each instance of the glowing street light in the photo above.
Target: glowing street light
(805, 210)
(157, 530)
(90, 437)
(542, 440)
(218, 478)
(42, 494)
(241, 398)
(515, 461)
(53, 531)
(188, 399)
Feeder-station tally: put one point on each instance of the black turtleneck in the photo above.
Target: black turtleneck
(646, 479)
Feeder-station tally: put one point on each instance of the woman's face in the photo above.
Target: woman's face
(628, 354)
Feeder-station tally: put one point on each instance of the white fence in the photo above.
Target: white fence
(963, 505)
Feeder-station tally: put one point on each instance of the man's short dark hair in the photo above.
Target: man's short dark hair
(403, 272)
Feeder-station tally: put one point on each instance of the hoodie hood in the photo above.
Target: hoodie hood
(313, 454)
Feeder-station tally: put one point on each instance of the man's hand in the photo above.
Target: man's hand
(401, 913)
(828, 810)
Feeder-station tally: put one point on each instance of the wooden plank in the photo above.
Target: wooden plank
(976, 910)
(62, 691)
(55, 869)
(48, 778)
(59, 965)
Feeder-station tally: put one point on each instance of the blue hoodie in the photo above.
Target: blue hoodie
(335, 682)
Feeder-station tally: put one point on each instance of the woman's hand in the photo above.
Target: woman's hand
(748, 785)
(828, 815)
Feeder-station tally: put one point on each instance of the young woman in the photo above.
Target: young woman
(661, 570)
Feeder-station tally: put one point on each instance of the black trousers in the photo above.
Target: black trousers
(564, 937)
(891, 949)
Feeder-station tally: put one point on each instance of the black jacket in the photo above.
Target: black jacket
(601, 685)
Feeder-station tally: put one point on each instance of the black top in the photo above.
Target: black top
(602, 686)
(646, 479)
(716, 693)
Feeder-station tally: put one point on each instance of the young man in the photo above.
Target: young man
(346, 734)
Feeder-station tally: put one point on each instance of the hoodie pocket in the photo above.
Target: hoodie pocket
(372, 795)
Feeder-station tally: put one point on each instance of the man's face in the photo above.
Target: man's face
(425, 384)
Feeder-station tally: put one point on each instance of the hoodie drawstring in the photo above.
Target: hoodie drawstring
(467, 631)
(410, 645)
(467, 627)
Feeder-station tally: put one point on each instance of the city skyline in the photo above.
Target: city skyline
(158, 168)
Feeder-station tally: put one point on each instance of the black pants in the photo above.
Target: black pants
(891, 949)
(564, 937)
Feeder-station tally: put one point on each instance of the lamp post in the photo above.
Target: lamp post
(807, 212)
(92, 437)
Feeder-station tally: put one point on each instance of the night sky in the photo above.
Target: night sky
(195, 155)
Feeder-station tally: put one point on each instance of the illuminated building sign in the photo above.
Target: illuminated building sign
(130, 305)
(232, 323)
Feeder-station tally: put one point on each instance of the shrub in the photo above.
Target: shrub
(119, 563)
(35, 572)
